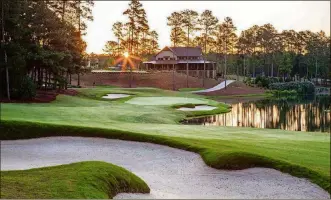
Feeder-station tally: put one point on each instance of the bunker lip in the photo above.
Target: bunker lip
(169, 172)
(115, 96)
(198, 108)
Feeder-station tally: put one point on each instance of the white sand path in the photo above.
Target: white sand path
(215, 88)
(169, 172)
(197, 108)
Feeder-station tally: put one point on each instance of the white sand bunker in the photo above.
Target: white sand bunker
(115, 96)
(169, 172)
(197, 108)
(164, 100)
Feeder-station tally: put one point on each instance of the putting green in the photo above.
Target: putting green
(164, 100)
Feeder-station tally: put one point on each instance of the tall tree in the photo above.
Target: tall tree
(189, 23)
(137, 19)
(118, 32)
(175, 21)
(111, 48)
(177, 37)
(207, 22)
(285, 63)
(154, 36)
(266, 38)
(227, 39)
(3, 42)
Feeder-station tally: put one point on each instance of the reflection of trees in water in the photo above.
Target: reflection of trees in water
(297, 115)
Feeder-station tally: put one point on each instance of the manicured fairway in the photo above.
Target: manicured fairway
(79, 180)
(298, 153)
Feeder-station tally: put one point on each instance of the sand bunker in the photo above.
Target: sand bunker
(197, 108)
(169, 172)
(115, 96)
(164, 100)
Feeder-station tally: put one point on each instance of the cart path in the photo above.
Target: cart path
(217, 87)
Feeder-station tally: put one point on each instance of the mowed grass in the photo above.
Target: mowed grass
(83, 180)
(302, 154)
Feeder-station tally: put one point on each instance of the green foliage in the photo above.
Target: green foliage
(262, 81)
(41, 39)
(302, 88)
(285, 63)
(91, 180)
(24, 88)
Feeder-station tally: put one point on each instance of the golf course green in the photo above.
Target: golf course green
(149, 115)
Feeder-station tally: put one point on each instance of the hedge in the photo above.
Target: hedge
(301, 87)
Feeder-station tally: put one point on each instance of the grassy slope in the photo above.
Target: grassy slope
(300, 154)
(78, 180)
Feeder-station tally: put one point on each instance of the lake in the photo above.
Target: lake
(312, 114)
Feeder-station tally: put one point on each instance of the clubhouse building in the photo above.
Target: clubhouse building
(182, 60)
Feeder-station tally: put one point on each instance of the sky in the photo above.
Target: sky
(284, 15)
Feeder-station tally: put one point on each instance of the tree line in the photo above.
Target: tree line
(41, 44)
(259, 48)
(134, 35)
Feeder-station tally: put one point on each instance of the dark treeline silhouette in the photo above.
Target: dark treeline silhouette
(41, 44)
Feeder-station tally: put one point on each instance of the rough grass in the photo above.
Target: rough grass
(302, 154)
(83, 180)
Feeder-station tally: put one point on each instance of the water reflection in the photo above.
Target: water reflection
(307, 115)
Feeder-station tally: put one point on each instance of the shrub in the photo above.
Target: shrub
(288, 79)
(24, 88)
(273, 80)
(301, 88)
(262, 81)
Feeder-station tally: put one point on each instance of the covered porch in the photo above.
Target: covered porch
(195, 68)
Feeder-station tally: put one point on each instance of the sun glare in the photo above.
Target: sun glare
(126, 54)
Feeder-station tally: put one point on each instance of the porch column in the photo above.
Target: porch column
(214, 71)
(187, 74)
(173, 77)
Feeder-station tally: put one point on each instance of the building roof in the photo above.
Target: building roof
(181, 51)
(186, 51)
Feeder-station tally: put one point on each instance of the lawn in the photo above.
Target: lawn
(302, 154)
(82, 180)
